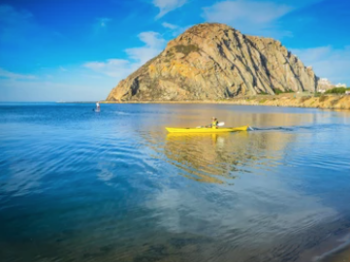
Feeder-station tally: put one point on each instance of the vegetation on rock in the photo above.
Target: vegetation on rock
(186, 49)
(278, 91)
(337, 90)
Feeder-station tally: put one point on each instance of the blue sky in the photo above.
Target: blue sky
(79, 50)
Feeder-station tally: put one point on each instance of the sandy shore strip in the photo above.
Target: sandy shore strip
(341, 102)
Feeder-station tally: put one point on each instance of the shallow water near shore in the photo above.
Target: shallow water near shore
(76, 185)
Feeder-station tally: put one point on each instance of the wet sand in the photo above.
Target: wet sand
(335, 248)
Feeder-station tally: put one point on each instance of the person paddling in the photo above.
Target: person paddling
(214, 123)
(98, 106)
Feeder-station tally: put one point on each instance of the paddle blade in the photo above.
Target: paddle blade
(221, 124)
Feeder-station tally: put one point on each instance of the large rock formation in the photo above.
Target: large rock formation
(215, 61)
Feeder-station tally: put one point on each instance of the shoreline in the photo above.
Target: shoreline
(335, 248)
(334, 102)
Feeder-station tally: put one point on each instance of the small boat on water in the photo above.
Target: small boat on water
(206, 130)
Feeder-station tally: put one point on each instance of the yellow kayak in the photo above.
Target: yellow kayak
(206, 130)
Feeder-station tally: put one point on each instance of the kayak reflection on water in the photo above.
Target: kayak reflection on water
(208, 157)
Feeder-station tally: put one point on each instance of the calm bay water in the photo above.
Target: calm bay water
(76, 185)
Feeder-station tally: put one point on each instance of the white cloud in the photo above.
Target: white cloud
(169, 203)
(117, 68)
(247, 16)
(170, 26)
(137, 56)
(243, 11)
(255, 17)
(103, 21)
(166, 6)
(152, 39)
(154, 45)
(327, 62)
(101, 24)
(7, 74)
(175, 29)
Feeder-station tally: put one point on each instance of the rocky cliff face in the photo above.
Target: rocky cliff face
(215, 61)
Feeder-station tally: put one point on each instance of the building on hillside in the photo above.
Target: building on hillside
(340, 85)
(323, 84)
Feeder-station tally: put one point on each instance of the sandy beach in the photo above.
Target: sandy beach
(341, 102)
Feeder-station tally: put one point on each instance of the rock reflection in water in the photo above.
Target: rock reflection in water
(205, 157)
(219, 158)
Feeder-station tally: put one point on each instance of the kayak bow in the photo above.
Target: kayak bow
(206, 130)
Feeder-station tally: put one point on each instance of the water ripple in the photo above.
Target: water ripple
(114, 186)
